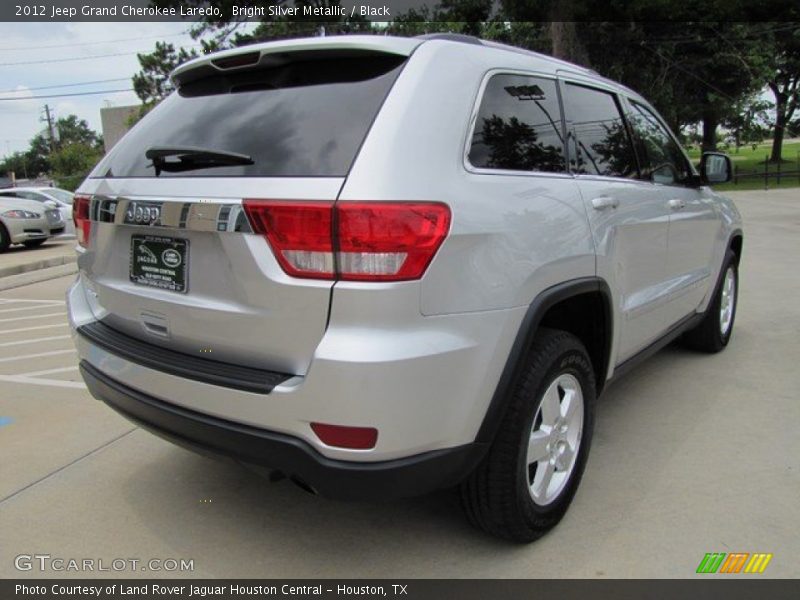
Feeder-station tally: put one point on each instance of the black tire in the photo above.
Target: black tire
(497, 496)
(708, 335)
(34, 243)
(5, 239)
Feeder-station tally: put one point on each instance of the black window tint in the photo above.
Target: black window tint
(518, 126)
(662, 159)
(301, 119)
(599, 140)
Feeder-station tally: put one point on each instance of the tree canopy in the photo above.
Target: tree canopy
(695, 63)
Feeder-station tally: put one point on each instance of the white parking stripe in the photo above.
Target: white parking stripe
(58, 314)
(49, 371)
(33, 328)
(40, 355)
(48, 382)
(53, 302)
(34, 340)
(21, 308)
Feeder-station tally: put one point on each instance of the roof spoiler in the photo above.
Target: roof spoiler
(275, 54)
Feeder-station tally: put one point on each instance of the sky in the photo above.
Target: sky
(50, 42)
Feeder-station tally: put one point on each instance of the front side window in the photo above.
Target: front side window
(519, 126)
(599, 140)
(662, 159)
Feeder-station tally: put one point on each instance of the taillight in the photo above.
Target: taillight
(80, 216)
(373, 241)
(299, 233)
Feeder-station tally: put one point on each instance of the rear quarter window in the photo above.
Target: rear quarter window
(518, 126)
(302, 119)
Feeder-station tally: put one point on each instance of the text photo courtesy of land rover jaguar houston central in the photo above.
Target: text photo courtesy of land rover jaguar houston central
(384, 266)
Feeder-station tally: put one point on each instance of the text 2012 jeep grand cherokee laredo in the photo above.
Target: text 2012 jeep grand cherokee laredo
(385, 266)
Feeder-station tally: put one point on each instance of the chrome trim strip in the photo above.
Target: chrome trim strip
(190, 214)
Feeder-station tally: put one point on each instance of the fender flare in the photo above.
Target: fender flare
(524, 339)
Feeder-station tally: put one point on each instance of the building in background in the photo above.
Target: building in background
(115, 121)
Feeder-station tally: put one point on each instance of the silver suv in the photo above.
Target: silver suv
(383, 266)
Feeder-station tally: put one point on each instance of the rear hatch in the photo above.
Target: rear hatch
(171, 257)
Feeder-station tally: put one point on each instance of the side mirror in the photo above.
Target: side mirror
(715, 167)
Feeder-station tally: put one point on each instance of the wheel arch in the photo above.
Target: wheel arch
(735, 244)
(557, 307)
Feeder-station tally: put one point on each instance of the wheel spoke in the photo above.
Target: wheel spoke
(537, 446)
(569, 405)
(564, 460)
(551, 405)
(544, 473)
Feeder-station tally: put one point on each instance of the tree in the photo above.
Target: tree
(72, 130)
(690, 70)
(749, 122)
(16, 162)
(74, 137)
(38, 155)
(784, 81)
(74, 159)
(152, 83)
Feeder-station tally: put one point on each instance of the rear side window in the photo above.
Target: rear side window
(663, 161)
(518, 126)
(599, 140)
(301, 119)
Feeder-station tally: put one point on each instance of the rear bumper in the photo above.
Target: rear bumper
(410, 476)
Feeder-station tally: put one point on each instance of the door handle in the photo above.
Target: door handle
(676, 204)
(604, 202)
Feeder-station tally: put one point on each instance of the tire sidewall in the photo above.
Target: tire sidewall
(571, 361)
(5, 239)
(730, 263)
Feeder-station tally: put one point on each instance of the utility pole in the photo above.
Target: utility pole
(50, 128)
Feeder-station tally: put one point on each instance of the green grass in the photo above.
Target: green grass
(748, 160)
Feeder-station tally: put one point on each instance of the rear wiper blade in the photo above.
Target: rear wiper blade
(190, 158)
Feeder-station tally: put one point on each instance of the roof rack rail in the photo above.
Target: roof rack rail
(453, 37)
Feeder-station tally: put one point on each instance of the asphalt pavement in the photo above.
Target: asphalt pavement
(692, 454)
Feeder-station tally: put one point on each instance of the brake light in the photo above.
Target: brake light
(80, 216)
(341, 436)
(299, 233)
(374, 241)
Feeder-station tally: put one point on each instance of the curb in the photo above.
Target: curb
(41, 274)
(44, 263)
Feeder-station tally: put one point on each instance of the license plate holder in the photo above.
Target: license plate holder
(160, 262)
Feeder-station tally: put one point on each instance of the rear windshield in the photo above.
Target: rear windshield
(303, 119)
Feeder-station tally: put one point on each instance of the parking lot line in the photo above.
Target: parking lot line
(10, 300)
(34, 340)
(39, 355)
(48, 382)
(49, 371)
(37, 327)
(58, 314)
(21, 308)
(69, 464)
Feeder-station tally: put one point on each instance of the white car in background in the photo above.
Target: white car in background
(28, 222)
(62, 198)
